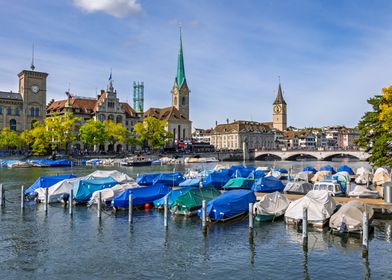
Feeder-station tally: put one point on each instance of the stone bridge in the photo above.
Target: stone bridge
(318, 155)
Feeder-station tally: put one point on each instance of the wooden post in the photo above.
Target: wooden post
(251, 215)
(305, 227)
(46, 199)
(165, 212)
(22, 197)
(204, 216)
(2, 196)
(99, 204)
(365, 234)
(130, 208)
(70, 202)
(201, 182)
(368, 181)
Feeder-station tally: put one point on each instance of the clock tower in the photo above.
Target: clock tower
(279, 115)
(32, 88)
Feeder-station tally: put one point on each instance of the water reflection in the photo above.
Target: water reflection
(251, 247)
(305, 262)
(366, 267)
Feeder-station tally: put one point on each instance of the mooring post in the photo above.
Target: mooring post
(368, 181)
(2, 196)
(204, 216)
(70, 202)
(305, 226)
(22, 197)
(365, 233)
(99, 204)
(251, 215)
(165, 212)
(201, 182)
(130, 208)
(46, 199)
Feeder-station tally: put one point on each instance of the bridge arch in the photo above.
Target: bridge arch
(301, 156)
(340, 155)
(268, 157)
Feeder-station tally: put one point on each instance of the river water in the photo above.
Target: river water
(35, 245)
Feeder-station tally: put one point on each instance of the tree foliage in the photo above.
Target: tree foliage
(115, 132)
(61, 130)
(375, 129)
(92, 133)
(37, 138)
(9, 139)
(152, 131)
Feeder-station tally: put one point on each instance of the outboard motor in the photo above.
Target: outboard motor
(31, 197)
(64, 197)
(342, 227)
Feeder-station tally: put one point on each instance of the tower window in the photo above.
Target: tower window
(13, 124)
(183, 101)
(110, 104)
(37, 112)
(175, 100)
(17, 111)
(32, 111)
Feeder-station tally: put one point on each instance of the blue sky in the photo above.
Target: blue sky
(331, 55)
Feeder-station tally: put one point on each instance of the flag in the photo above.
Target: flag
(110, 76)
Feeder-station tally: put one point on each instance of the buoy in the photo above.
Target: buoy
(147, 206)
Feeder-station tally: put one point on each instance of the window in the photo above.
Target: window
(118, 119)
(17, 111)
(13, 124)
(111, 118)
(111, 104)
(183, 101)
(9, 111)
(101, 117)
(183, 133)
(36, 112)
(1, 110)
(32, 111)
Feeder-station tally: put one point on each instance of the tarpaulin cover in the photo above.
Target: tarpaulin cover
(328, 168)
(239, 183)
(272, 204)
(310, 168)
(281, 170)
(190, 183)
(57, 191)
(140, 196)
(217, 179)
(146, 179)
(169, 179)
(363, 176)
(298, 187)
(256, 174)
(346, 168)
(242, 172)
(108, 194)
(268, 184)
(118, 176)
(85, 188)
(53, 163)
(192, 199)
(229, 204)
(172, 196)
(46, 182)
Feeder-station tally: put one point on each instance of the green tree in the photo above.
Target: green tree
(152, 131)
(9, 139)
(93, 133)
(374, 129)
(37, 138)
(115, 132)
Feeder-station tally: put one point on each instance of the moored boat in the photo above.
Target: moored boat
(136, 161)
(332, 186)
(271, 206)
(298, 187)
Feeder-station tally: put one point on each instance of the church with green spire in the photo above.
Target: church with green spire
(177, 115)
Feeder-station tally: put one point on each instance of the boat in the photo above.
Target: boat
(59, 192)
(136, 161)
(346, 169)
(51, 163)
(93, 162)
(328, 168)
(200, 160)
(332, 186)
(195, 183)
(349, 218)
(270, 207)
(217, 179)
(343, 178)
(20, 164)
(239, 183)
(380, 177)
(256, 174)
(298, 187)
(169, 179)
(172, 196)
(118, 176)
(267, 184)
(146, 179)
(362, 192)
(140, 196)
(320, 175)
(363, 176)
(229, 205)
(84, 189)
(242, 172)
(108, 194)
(45, 182)
(189, 202)
(320, 205)
(311, 169)
(305, 176)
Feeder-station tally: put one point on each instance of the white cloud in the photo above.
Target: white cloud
(117, 8)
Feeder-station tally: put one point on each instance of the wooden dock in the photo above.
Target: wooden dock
(374, 203)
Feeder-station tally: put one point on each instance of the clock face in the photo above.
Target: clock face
(35, 88)
(277, 109)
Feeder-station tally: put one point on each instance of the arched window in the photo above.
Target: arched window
(101, 117)
(183, 101)
(111, 117)
(175, 100)
(13, 124)
(37, 112)
(32, 111)
(9, 111)
(17, 111)
(119, 119)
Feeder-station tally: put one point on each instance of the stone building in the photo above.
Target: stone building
(279, 115)
(106, 106)
(232, 136)
(19, 110)
(177, 115)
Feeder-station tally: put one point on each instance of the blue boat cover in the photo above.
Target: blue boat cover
(268, 184)
(346, 168)
(233, 169)
(256, 174)
(310, 168)
(229, 204)
(46, 182)
(146, 179)
(172, 196)
(242, 172)
(190, 183)
(140, 196)
(85, 188)
(169, 179)
(217, 179)
(53, 163)
(281, 170)
(328, 168)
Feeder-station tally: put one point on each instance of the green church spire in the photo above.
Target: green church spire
(180, 78)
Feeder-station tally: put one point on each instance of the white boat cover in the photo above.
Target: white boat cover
(362, 175)
(298, 187)
(275, 174)
(116, 175)
(381, 176)
(342, 176)
(221, 166)
(362, 191)
(303, 176)
(263, 168)
(320, 176)
(351, 213)
(57, 190)
(110, 193)
(274, 204)
(320, 206)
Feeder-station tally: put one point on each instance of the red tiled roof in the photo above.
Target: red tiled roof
(168, 113)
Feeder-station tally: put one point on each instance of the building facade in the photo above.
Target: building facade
(19, 110)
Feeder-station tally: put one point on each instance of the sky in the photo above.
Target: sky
(331, 56)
